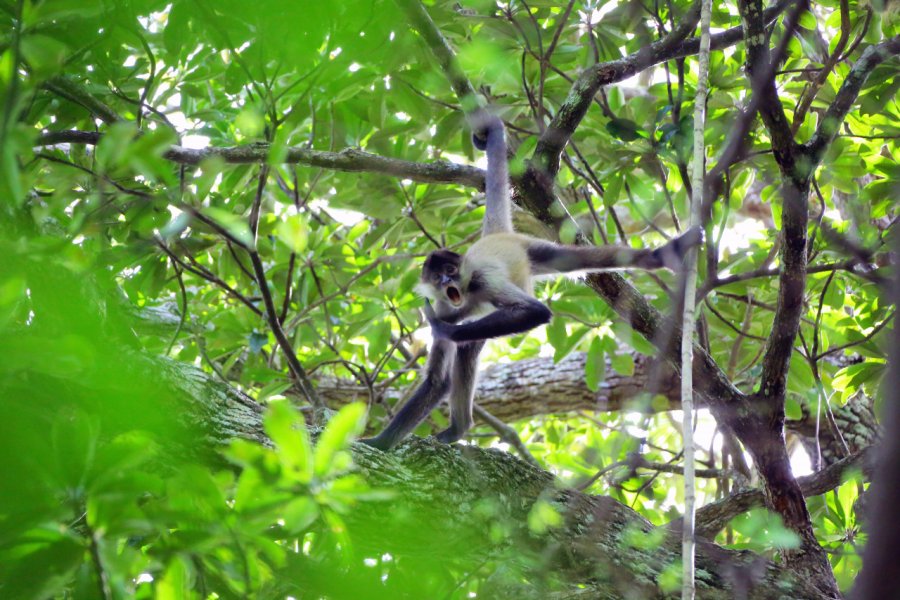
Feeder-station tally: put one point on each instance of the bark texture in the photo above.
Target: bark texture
(537, 386)
(469, 506)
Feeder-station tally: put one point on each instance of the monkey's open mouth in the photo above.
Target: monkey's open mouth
(454, 295)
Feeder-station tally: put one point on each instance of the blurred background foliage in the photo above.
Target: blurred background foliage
(118, 253)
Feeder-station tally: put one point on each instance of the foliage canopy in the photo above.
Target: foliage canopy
(226, 184)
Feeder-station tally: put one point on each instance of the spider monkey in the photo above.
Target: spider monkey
(489, 289)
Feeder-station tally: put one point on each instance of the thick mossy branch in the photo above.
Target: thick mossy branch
(463, 505)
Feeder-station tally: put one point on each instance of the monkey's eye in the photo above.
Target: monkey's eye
(450, 270)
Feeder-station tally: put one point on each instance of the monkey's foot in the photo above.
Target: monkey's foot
(450, 435)
(376, 442)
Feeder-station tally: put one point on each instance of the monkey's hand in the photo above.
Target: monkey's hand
(440, 329)
(483, 124)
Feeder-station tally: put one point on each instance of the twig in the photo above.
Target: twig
(507, 434)
(301, 378)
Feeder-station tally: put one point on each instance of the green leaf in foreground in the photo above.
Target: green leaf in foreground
(288, 430)
(342, 428)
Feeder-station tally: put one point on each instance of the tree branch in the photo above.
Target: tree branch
(301, 378)
(348, 159)
(674, 45)
(761, 68)
(846, 96)
(67, 88)
(714, 517)
(581, 95)
(442, 51)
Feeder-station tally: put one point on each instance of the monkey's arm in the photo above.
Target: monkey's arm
(516, 313)
(449, 315)
(434, 386)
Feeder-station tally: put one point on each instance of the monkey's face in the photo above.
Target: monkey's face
(441, 271)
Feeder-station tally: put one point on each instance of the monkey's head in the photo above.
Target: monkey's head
(441, 273)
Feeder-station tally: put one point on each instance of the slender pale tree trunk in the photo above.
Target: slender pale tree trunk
(690, 289)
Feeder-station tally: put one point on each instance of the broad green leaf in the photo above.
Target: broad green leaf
(235, 225)
(595, 365)
(177, 581)
(294, 231)
(299, 514)
(288, 430)
(542, 517)
(46, 571)
(330, 457)
(622, 363)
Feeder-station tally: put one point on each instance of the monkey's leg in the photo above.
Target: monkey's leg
(435, 385)
(462, 392)
(547, 258)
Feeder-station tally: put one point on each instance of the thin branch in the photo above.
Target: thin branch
(738, 138)
(713, 517)
(351, 160)
(809, 94)
(844, 265)
(741, 333)
(301, 378)
(673, 46)
(575, 106)
(688, 548)
(208, 276)
(507, 434)
(67, 88)
(862, 340)
(837, 110)
(184, 306)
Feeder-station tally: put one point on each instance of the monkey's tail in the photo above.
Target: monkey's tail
(489, 134)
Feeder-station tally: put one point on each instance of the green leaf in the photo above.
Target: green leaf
(45, 572)
(45, 55)
(340, 431)
(273, 389)
(177, 581)
(793, 409)
(236, 226)
(294, 231)
(542, 517)
(556, 333)
(288, 430)
(623, 129)
(299, 514)
(250, 123)
(74, 440)
(595, 365)
(622, 363)
(113, 147)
